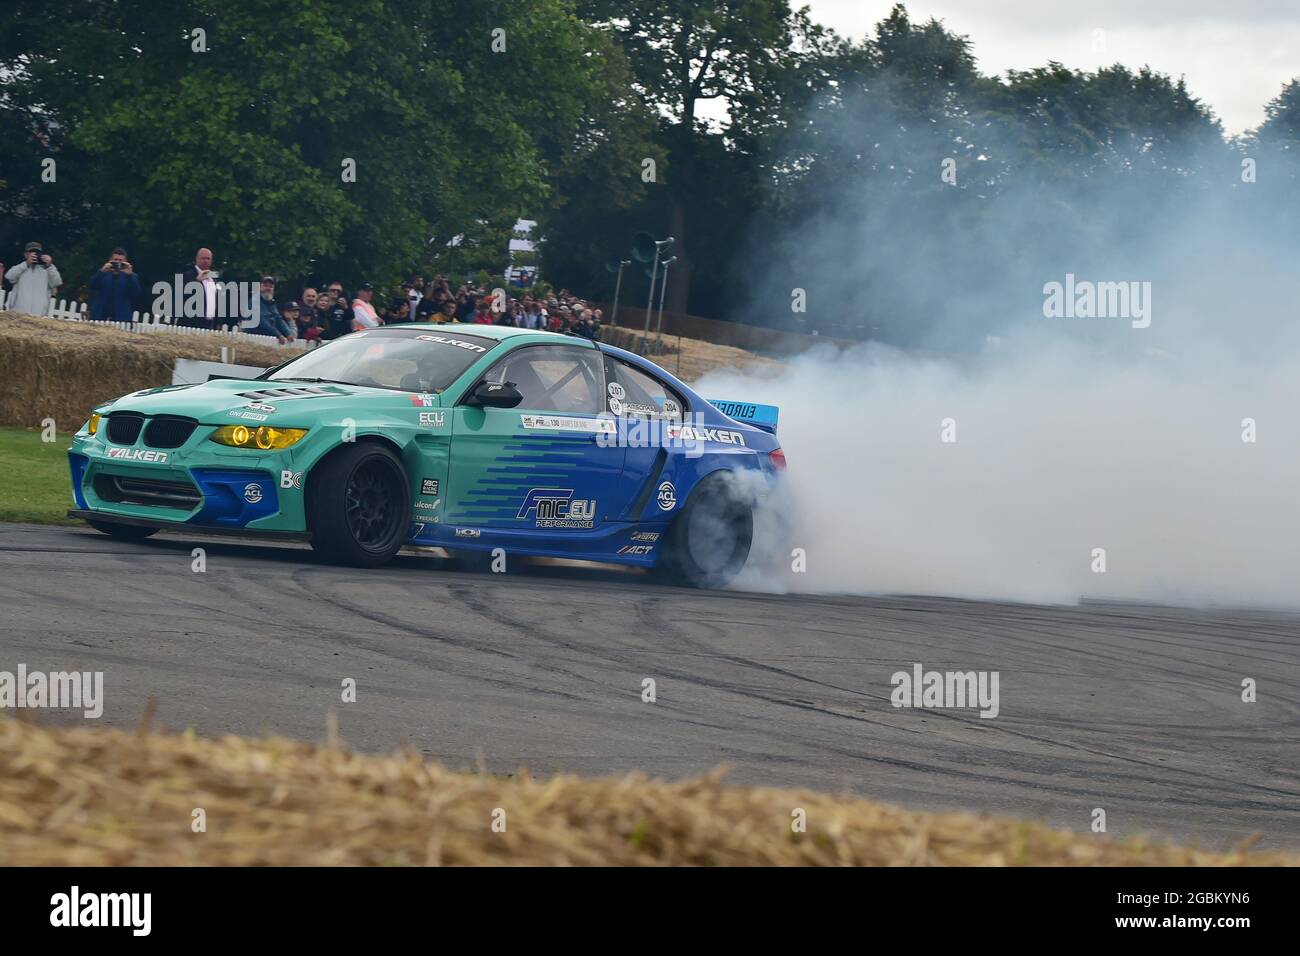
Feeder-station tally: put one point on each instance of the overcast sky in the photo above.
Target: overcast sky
(1235, 54)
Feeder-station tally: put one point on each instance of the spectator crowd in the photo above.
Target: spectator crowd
(316, 314)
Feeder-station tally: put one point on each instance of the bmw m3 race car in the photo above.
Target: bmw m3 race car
(469, 438)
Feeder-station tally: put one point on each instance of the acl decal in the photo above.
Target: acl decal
(557, 508)
(252, 492)
(667, 497)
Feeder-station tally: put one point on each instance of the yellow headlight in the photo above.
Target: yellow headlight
(265, 438)
(92, 426)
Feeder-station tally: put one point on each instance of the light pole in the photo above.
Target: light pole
(646, 248)
(659, 325)
(616, 264)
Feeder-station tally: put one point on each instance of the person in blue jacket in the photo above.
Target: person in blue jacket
(270, 321)
(114, 289)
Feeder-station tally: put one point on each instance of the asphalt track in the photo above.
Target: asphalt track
(1136, 710)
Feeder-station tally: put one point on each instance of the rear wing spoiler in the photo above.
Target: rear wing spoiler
(760, 416)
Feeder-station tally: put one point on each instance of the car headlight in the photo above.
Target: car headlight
(263, 438)
(92, 426)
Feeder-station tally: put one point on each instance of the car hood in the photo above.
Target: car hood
(281, 402)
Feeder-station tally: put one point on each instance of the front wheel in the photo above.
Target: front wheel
(708, 542)
(359, 505)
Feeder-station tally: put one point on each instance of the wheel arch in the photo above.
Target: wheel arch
(369, 438)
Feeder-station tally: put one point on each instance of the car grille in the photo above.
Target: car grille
(147, 491)
(124, 427)
(168, 432)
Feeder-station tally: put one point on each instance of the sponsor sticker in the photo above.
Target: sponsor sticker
(645, 536)
(693, 433)
(467, 532)
(637, 549)
(736, 409)
(252, 492)
(291, 479)
(429, 486)
(433, 419)
(427, 505)
(249, 416)
(260, 407)
(617, 391)
(667, 496)
(459, 343)
(616, 406)
(557, 508)
(138, 454)
(561, 423)
(423, 401)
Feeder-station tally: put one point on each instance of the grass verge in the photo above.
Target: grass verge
(36, 486)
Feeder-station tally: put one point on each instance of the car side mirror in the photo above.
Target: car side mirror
(495, 395)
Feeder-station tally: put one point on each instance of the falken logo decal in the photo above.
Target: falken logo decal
(138, 454)
(691, 433)
(557, 508)
(456, 342)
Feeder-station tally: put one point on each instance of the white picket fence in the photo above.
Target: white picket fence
(146, 322)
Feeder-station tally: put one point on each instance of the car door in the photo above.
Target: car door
(546, 467)
(645, 406)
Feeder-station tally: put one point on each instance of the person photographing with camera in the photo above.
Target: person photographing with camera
(34, 282)
(114, 289)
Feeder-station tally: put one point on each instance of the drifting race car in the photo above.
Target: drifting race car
(469, 438)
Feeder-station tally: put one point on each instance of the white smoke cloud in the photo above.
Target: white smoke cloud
(1059, 450)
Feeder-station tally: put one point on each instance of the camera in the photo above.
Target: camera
(115, 266)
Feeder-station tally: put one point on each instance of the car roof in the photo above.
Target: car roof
(499, 332)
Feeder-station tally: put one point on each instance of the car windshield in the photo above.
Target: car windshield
(409, 360)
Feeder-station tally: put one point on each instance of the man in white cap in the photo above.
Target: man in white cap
(34, 281)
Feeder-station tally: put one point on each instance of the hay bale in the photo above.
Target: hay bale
(696, 357)
(61, 370)
(92, 797)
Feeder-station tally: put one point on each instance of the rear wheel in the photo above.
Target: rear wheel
(708, 542)
(127, 532)
(359, 505)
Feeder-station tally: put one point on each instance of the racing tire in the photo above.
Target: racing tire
(126, 532)
(708, 542)
(359, 506)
